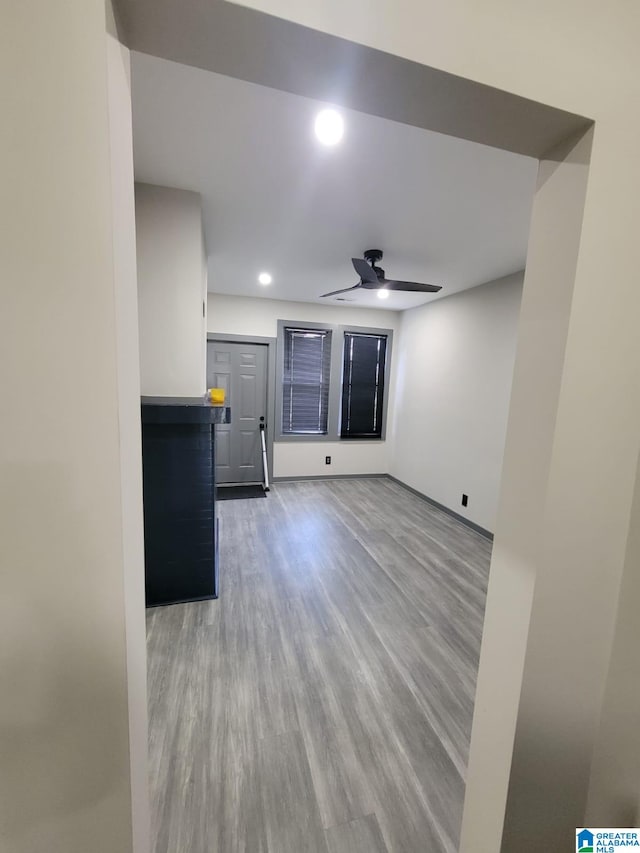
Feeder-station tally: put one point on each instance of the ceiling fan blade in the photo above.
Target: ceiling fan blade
(365, 271)
(410, 286)
(344, 290)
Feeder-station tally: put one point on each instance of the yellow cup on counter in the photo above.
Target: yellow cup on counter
(216, 396)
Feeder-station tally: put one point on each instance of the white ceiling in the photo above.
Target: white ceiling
(444, 211)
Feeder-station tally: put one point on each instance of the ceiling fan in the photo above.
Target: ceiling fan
(372, 277)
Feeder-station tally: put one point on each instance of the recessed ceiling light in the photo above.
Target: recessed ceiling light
(329, 127)
(383, 293)
(265, 278)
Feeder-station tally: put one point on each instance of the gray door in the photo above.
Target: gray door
(241, 369)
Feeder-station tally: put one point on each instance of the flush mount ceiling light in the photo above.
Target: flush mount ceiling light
(383, 293)
(265, 278)
(329, 127)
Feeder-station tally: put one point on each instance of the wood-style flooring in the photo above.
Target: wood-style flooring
(323, 704)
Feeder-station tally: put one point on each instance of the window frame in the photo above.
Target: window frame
(382, 385)
(281, 377)
(335, 380)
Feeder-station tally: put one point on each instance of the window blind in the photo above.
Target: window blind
(305, 385)
(363, 385)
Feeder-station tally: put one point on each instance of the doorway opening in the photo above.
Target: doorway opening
(532, 129)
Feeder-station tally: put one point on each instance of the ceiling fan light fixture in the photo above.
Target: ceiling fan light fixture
(329, 127)
(372, 277)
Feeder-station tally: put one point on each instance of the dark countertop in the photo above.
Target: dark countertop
(185, 410)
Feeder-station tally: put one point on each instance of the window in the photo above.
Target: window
(331, 382)
(305, 381)
(363, 385)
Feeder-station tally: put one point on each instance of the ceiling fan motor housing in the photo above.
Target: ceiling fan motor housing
(373, 256)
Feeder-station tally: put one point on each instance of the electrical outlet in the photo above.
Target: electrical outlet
(465, 500)
(327, 460)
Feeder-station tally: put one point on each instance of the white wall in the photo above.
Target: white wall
(171, 292)
(614, 793)
(240, 315)
(306, 459)
(454, 365)
(126, 304)
(65, 727)
(243, 315)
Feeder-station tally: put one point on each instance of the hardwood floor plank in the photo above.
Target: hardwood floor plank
(326, 710)
(290, 809)
(359, 836)
(324, 702)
